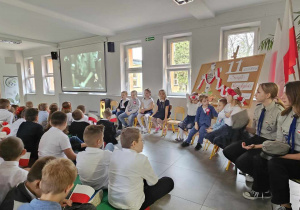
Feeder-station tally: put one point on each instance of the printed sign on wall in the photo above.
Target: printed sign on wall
(11, 89)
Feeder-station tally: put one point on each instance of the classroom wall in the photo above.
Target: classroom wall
(205, 48)
(6, 69)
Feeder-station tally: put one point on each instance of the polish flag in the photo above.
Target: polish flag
(82, 194)
(24, 161)
(275, 49)
(288, 53)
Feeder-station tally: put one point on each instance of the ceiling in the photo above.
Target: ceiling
(65, 20)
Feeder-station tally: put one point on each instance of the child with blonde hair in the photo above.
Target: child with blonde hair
(202, 121)
(162, 111)
(58, 176)
(189, 120)
(131, 110)
(121, 108)
(146, 110)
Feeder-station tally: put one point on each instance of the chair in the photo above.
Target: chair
(102, 108)
(173, 122)
(206, 145)
(113, 104)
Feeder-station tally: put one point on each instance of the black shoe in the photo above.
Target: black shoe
(198, 146)
(185, 144)
(253, 195)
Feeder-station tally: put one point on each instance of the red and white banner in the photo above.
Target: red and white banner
(287, 54)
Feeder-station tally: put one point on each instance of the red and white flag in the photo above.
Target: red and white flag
(24, 161)
(82, 194)
(287, 54)
(275, 49)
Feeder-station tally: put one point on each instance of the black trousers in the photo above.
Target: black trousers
(157, 191)
(280, 171)
(243, 158)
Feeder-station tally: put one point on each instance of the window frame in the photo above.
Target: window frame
(29, 76)
(129, 70)
(46, 75)
(179, 67)
(229, 32)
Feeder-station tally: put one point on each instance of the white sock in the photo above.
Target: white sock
(180, 133)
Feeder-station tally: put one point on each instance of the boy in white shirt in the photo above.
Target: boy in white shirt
(82, 108)
(5, 115)
(132, 181)
(55, 142)
(11, 150)
(92, 164)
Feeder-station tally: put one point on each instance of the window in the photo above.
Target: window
(245, 38)
(29, 76)
(48, 76)
(133, 63)
(178, 65)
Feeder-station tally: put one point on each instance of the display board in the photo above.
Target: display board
(215, 78)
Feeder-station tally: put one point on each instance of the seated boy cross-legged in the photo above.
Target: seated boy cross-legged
(132, 181)
(26, 191)
(110, 133)
(54, 142)
(11, 150)
(93, 163)
(57, 180)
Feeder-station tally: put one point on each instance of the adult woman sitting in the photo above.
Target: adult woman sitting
(264, 127)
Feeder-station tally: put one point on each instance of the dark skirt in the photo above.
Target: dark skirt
(187, 123)
(161, 114)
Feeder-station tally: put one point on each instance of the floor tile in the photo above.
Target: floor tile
(174, 203)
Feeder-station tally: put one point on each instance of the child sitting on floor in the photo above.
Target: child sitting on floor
(5, 115)
(131, 110)
(20, 114)
(58, 177)
(189, 120)
(132, 181)
(202, 121)
(43, 114)
(82, 108)
(78, 125)
(212, 131)
(11, 150)
(26, 191)
(31, 132)
(162, 112)
(121, 108)
(67, 109)
(29, 104)
(110, 133)
(93, 163)
(55, 142)
(146, 110)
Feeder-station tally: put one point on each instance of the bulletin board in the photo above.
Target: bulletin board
(215, 78)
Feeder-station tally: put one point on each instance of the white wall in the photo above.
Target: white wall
(39, 96)
(205, 48)
(6, 69)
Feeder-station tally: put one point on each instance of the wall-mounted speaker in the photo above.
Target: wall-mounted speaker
(110, 46)
(54, 55)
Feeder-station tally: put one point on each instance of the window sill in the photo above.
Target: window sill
(176, 96)
(49, 94)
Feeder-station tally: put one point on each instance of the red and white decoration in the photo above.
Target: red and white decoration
(24, 161)
(82, 194)
(287, 53)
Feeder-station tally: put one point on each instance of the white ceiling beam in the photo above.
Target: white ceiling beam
(73, 22)
(53, 44)
(199, 9)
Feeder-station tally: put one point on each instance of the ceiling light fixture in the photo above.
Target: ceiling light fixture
(182, 2)
(10, 41)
